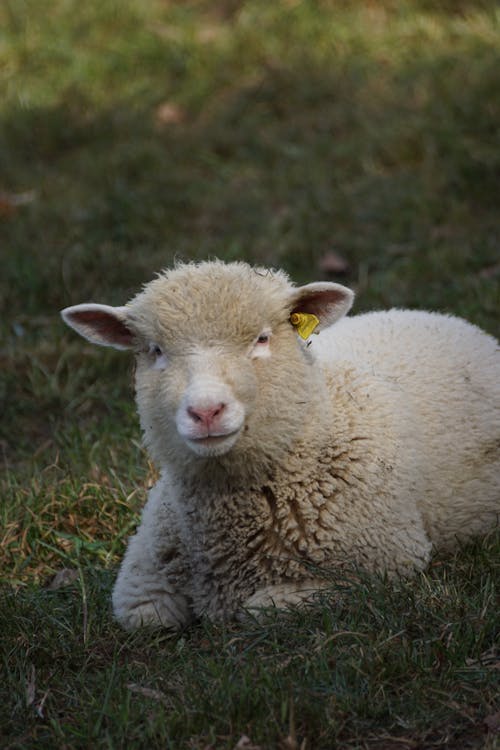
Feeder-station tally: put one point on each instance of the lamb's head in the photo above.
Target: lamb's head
(220, 367)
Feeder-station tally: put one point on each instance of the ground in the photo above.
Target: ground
(360, 137)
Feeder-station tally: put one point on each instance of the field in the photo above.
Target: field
(133, 134)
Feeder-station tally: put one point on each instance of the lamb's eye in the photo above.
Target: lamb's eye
(157, 355)
(155, 350)
(260, 347)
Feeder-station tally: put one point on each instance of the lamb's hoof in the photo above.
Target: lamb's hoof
(152, 614)
(279, 596)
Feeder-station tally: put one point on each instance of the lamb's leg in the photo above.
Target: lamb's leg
(150, 588)
(282, 595)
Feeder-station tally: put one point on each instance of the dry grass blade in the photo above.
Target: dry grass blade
(245, 743)
(155, 695)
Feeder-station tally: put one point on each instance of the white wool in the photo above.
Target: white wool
(372, 444)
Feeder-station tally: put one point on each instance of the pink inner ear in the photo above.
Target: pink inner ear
(319, 303)
(107, 326)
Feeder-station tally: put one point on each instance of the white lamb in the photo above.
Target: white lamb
(372, 444)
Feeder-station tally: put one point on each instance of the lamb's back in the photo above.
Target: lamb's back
(443, 375)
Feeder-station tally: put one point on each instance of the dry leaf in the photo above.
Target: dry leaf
(10, 202)
(332, 262)
(63, 577)
(155, 695)
(489, 272)
(289, 743)
(169, 113)
(245, 743)
(210, 34)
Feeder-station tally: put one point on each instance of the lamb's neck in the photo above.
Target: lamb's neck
(255, 465)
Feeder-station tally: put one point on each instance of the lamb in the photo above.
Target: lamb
(371, 445)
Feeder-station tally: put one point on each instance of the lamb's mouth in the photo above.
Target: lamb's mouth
(213, 439)
(211, 445)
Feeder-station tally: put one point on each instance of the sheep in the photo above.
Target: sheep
(282, 453)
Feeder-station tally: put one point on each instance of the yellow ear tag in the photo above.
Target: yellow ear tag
(305, 323)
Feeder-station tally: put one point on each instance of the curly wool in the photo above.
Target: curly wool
(374, 445)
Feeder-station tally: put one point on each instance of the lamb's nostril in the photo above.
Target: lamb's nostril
(205, 415)
(195, 416)
(218, 409)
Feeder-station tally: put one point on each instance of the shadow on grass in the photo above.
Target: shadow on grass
(371, 159)
(372, 664)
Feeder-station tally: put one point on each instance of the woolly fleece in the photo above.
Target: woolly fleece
(372, 445)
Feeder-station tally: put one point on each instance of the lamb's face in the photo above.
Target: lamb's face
(220, 367)
(216, 366)
(206, 398)
(209, 392)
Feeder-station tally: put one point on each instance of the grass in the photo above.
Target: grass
(378, 666)
(135, 133)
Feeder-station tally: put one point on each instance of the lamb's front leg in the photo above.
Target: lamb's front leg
(151, 586)
(282, 595)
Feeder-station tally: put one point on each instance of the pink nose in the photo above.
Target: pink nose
(206, 416)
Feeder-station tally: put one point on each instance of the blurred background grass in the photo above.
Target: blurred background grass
(268, 131)
(133, 133)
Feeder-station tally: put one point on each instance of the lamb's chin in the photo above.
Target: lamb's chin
(213, 446)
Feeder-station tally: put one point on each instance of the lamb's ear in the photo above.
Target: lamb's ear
(326, 300)
(100, 324)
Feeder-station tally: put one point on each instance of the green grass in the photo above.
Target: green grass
(370, 666)
(292, 128)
